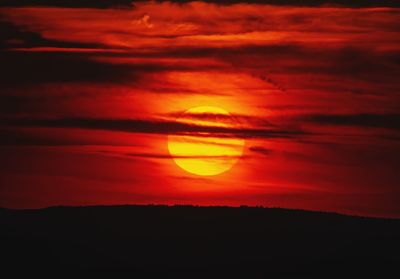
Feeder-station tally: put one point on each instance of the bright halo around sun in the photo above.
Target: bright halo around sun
(204, 153)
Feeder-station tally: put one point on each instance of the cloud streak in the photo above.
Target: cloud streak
(387, 121)
(128, 3)
(151, 127)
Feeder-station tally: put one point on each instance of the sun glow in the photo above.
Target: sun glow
(205, 154)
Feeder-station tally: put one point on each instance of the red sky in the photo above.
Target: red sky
(89, 95)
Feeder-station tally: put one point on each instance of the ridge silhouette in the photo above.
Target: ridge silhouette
(192, 240)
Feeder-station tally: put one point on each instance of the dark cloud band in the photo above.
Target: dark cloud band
(128, 3)
(387, 121)
(151, 127)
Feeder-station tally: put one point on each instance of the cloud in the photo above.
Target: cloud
(151, 127)
(166, 156)
(261, 150)
(128, 3)
(145, 20)
(387, 121)
(309, 57)
(347, 61)
(66, 67)
(203, 24)
(68, 3)
(13, 36)
(20, 68)
(310, 3)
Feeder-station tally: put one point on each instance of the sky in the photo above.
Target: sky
(92, 92)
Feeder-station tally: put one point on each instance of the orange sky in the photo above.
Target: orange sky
(89, 97)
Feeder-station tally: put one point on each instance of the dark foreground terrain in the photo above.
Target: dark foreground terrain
(220, 241)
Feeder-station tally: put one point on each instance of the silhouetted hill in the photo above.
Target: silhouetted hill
(187, 240)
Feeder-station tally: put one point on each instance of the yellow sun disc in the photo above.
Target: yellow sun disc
(205, 154)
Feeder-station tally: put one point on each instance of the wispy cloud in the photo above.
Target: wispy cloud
(129, 3)
(151, 127)
(387, 121)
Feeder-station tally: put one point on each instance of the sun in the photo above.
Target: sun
(204, 153)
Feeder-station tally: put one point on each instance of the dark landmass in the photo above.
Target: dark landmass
(198, 241)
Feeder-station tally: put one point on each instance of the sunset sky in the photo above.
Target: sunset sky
(90, 93)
